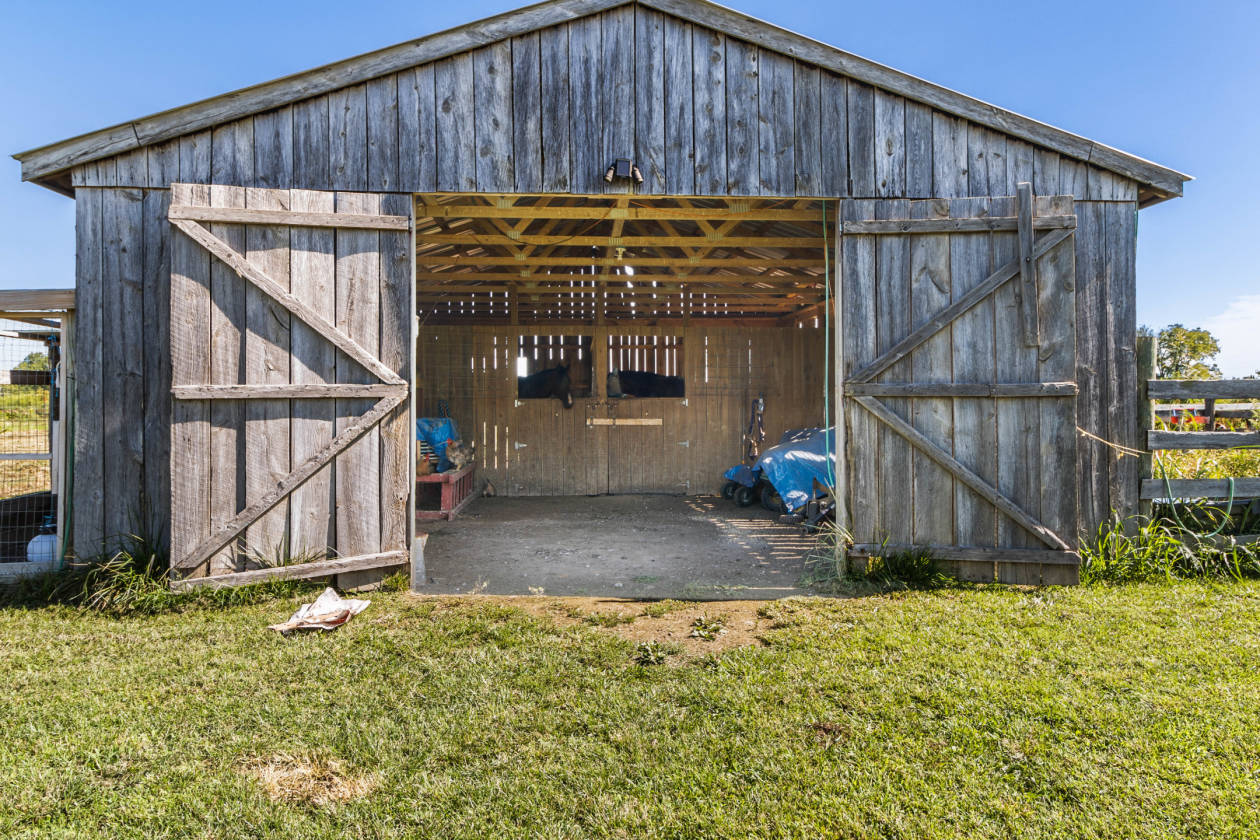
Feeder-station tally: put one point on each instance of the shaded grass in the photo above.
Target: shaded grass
(133, 578)
(1116, 712)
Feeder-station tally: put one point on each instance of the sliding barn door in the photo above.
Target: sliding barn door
(291, 345)
(959, 357)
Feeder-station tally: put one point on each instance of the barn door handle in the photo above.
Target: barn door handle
(685, 443)
(517, 445)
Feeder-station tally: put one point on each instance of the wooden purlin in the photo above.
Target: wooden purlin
(533, 258)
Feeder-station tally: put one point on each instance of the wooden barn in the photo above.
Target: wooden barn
(274, 283)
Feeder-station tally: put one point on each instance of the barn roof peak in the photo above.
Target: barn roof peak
(49, 165)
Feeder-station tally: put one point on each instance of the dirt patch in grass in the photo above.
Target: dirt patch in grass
(697, 628)
(307, 780)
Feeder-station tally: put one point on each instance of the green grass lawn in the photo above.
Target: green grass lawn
(1110, 712)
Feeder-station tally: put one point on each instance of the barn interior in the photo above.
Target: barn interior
(667, 316)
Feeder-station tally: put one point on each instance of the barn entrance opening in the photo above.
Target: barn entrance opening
(613, 344)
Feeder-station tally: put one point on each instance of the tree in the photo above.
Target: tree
(34, 361)
(1184, 353)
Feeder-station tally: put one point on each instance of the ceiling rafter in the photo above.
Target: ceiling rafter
(578, 258)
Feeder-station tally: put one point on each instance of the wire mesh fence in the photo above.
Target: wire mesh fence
(27, 414)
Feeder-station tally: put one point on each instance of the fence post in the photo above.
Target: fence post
(1145, 412)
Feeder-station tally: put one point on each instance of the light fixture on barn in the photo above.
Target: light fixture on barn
(623, 168)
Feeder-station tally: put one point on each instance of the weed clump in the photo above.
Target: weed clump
(1152, 549)
(649, 653)
(133, 578)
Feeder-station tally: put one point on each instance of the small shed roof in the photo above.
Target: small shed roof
(50, 165)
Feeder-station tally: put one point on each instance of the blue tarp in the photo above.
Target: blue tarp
(436, 431)
(793, 465)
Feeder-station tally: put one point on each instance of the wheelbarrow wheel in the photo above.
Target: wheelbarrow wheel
(771, 501)
(728, 490)
(745, 496)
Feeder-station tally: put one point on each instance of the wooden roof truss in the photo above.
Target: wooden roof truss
(561, 259)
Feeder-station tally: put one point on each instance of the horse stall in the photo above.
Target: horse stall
(593, 232)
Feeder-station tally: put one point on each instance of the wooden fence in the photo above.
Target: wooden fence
(1191, 394)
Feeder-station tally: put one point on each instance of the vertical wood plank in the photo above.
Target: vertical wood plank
(311, 156)
(527, 111)
(157, 362)
(190, 365)
(227, 343)
(1021, 164)
(890, 145)
(382, 133)
(860, 348)
(649, 97)
(949, 156)
(892, 309)
(585, 139)
(163, 164)
(132, 169)
(978, 164)
(347, 138)
(417, 142)
(1046, 172)
(556, 158)
(974, 353)
(273, 148)
(776, 124)
(1019, 427)
(1056, 362)
(834, 175)
(615, 114)
(918, 150)
(998, 162)
(492, 116)
(232, 154)
(709, 110)
(1093, 360)
(807, 118)
(930, 292)
(89, 482)
(1072, 178)
(680, 159)
(267, 354)
(861, 124)
(1121, 309)
(397, 429)
(742, 113)
(357, 474)
(122, 360)
(194, 158)
(314, 361)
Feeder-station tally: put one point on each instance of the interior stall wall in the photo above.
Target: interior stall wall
(538, 447)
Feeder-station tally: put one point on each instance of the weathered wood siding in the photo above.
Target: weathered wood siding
(702, 112)
(539, 448)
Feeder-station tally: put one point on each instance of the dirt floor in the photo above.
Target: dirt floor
(693, 547)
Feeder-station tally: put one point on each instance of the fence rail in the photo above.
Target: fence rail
(1209, 391)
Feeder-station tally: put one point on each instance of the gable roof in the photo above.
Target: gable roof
(48, 165)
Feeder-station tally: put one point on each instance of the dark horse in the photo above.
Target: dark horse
(552, 382)
(640, 383)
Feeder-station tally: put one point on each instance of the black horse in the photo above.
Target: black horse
(640, 383)
(552, 382)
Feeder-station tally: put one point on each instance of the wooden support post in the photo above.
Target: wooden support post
(1026, 288)
(838, 410)
(1145, 409)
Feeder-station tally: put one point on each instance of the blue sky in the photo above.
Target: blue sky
(1169, 81)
